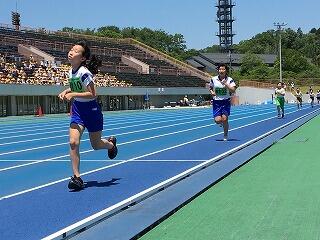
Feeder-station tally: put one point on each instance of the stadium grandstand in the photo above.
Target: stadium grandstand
(34, 69)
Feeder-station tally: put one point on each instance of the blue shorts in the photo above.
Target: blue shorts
(221, 107)
(87, 114)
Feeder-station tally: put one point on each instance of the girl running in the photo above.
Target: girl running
(318, 96)
(311, 95)
(86, 112)
(298, 94)
(280, 92)
(221, 88)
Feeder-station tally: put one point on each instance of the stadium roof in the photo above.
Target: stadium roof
(236, 58)
(209, 61)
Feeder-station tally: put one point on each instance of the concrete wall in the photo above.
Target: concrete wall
(157, 96)
(36, 90)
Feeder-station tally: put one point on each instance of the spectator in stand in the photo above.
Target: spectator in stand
(30, 73)
(42, 64)
(185, 101)
(2, 59)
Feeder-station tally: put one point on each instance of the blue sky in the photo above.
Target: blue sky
(195, 19)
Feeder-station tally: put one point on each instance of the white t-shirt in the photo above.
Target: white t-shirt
(79, 81)
(222, 92)
(280, 92)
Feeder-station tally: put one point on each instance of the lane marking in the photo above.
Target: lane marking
(108, 160)
(145, 155)
(150, 191)
(125, 143)
(118, 122)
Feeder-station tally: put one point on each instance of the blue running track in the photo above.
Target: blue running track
(155, 148)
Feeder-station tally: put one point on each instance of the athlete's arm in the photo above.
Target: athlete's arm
(90, 93)
(211, 90)
(231, 89)
(63, 93)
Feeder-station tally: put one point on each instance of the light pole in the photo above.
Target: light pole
(230, 61)
(279, 28)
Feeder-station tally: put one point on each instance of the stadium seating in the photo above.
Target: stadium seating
(113, 71)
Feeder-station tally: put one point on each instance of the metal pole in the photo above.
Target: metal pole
(230, 61)
(280, 57)
(279, 27)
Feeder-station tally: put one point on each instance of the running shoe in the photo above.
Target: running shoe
(112, 153)
(76, 183)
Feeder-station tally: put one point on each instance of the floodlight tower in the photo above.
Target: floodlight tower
(225, 20)
(15, 18)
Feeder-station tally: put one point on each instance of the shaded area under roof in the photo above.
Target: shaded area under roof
(209, 61)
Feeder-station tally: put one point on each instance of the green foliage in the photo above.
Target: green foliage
(262, 43)
(260, 72)
(300, 53)
(293, 61)
(109, 31)
(212, 49)
(189, 53)
(87, 31)
(313, 72)
(253, 66)
(173, 45)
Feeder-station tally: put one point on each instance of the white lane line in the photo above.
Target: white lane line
(129, 142)
(147, 192)
(86, 139)
(107, 123)
(132, 159)
(41, 131)
(119, 134)
(108, 160)
(108, 129)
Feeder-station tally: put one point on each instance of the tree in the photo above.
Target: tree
(313, 30)
(109, 31)
(262, 43)
(189, 53)
(294, 61)
(212, 49)
(249, 62)
(299, 32)
(260, 72)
